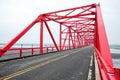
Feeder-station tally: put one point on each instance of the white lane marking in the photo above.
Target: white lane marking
(90, 71)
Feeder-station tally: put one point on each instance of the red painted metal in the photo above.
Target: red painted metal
(102, 49)
(69, 37)
(32, 51)
(102, 44)
(51, 35)
(41, 37)
(117, 73)
(14, 40)
(20, 52)
(80, 26)
(60, 37)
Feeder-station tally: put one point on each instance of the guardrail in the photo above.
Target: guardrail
(105, 70)
(22, 52)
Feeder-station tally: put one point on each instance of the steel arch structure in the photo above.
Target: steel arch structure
(80, 26)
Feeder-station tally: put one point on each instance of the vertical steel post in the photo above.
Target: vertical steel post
(52, 49)
(20, 52)
(69, 37)
(41, 37)
(73, 46)
(32, 50)
(60, 40)
(47, 49)
(74, 40)
(79, 41)
(64, 41)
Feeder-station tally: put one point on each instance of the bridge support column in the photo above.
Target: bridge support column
(102, 48)
(69, 38)
(60, 37)
(41, 37)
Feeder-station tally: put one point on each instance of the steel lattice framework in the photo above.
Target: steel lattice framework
(80, 26)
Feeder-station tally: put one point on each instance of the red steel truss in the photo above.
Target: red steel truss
(80, 26)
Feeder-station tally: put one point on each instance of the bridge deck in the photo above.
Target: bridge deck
(66, 65)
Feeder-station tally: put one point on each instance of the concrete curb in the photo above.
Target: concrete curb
(97, 72)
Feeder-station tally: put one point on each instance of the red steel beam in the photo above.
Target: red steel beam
(101, 43)
(71, 38)
(51, 35)
(102, 38)
(60, 37)
(91, 5)
(88, 20)
(68, 37)
(64, 41)
(14, 40)
(41, 37)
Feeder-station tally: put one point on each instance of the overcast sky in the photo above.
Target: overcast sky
(15, 15)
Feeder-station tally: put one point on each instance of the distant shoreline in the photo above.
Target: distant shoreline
(115, 47)
(115, 55)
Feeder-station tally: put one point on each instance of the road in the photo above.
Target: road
(65, 65)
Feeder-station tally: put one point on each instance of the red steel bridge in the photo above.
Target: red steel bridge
(79, 27)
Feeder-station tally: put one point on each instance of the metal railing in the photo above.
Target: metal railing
(22, 52)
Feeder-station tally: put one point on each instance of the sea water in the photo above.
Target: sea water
(116, 57)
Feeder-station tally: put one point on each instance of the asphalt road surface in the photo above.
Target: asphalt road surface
(65, 65)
